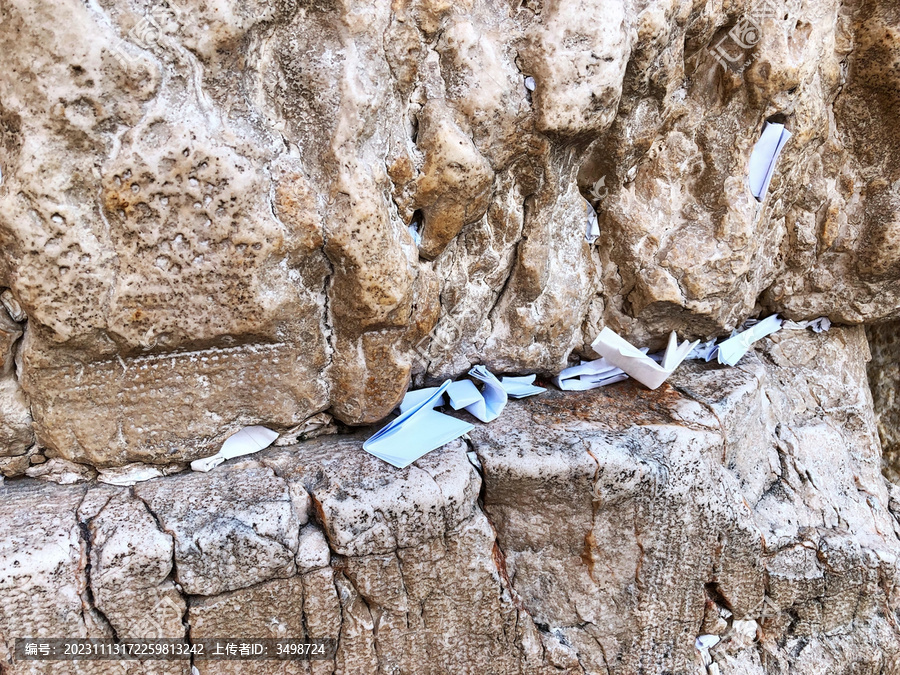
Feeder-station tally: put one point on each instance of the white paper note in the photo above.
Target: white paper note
(820, 325)
(520, 387)
(706, 641)
(622, 354)
(414, 231)
(463, 393)
(705, 351)
(414, 398)
(494, 396)
(590, 375)
(592, 226)
(764, 157)
(245, 442)
(733, 349)
(417, 431)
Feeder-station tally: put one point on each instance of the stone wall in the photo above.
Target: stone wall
(598, 532)
(205, 205)
(205, 211)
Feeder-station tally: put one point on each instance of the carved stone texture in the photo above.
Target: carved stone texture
(884, 379)
(229, 532)
(603, 532)
(204, 207)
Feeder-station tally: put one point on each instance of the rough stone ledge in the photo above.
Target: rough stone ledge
(601, 533)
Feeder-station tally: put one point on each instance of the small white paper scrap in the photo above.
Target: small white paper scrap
(622, 354)
(820, 325)
(590, 375)
(733, 349)
(520, 387)
(706, 641)
(417, 431)
(592, 228)
(705, 350)
(136, 472)
(764, 156)
(494, 396)
(414, 231)
(463, 393)
(245, 442)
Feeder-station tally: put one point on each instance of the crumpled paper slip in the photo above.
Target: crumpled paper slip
(622, 354)
(820, 325)
(733, 349)
(494, 396)
(414, 232)
(590, 375)
(245, 442)
(592, 227)
(703, 644)
(521, 386)
(418, 430)
(320, 424)
(705, 350)
(765, 156)
(463, 394)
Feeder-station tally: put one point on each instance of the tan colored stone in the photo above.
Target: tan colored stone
(229, 532)
(884, 379)
(131, 560)
(454, 189)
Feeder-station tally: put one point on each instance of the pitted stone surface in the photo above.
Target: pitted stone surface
(609, 529)
(233, 527)
(205, 208)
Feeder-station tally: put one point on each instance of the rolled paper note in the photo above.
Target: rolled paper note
(764, 157)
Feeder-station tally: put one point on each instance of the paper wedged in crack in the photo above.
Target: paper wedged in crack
(622, 354)
(418, 430)
(156, 207)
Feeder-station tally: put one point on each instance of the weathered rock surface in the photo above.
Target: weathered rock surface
(884, 380)
(602, 532)
(204, 224)
(204, 207)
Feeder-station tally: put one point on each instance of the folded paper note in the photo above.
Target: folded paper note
(764, 156)
(245, 442)
(417, 431)
(705, 350)
(731, 351)
(414, 232)
(622, 354)
(820, 325)
(520, 387)
(494, 396)
(463, 393)
(590, 375)
(706, 641)
(592, 226)
(414, 398)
